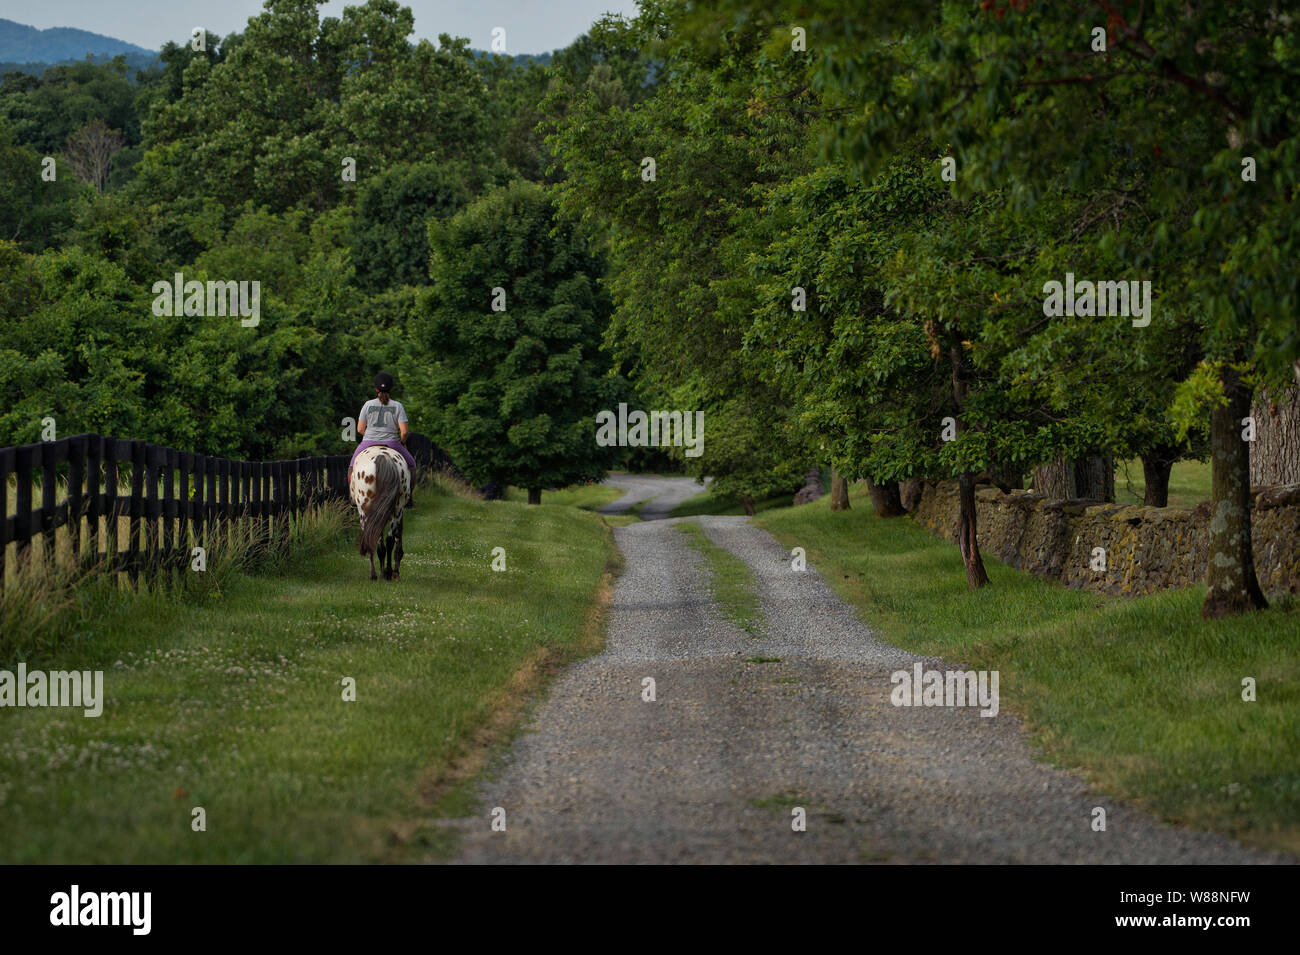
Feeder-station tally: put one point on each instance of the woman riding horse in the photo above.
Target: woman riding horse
(383, 421)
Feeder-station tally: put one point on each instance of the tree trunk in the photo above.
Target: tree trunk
(1231, 579)
(534, 495)
(968, 518)
(1275, 452)
(1052, 479)
(1156, 465)
(1092, 478)
(967, 539)
(747, 503)
(910, 491)
(886, 499)
(839, 492)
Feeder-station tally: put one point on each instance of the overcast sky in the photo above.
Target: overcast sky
(532, 26)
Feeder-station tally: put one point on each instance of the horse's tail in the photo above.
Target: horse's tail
(387, 500)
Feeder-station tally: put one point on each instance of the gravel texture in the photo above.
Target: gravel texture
(661, 494)
(712, 770)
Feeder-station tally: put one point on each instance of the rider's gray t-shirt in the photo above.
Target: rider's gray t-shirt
(382, 420)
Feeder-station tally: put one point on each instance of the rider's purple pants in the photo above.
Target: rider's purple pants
(395, 445)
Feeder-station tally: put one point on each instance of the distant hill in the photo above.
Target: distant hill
(520, 59)
(24, 44)
(29, 50)
(135, 61)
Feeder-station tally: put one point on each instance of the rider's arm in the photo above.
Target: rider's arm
(361, 423)
(405, 431)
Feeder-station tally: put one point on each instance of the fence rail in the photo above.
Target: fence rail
(177, 499)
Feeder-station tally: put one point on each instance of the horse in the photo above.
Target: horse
(380, 484)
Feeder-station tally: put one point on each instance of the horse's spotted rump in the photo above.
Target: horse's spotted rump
(361, 489)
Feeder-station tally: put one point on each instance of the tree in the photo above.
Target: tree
(275, 119)
(512, 391)
(90, 150)
(1027, 101)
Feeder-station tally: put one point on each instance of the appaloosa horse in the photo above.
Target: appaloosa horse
(380, 484)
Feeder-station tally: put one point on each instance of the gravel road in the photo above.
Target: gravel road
(660, 494)
(712, 770)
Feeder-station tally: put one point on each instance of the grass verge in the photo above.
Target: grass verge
(707, 503)
(1140, 695)
(234, 702)
(588, 497)
(730, 581)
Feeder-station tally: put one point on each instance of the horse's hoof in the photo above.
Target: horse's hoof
(394, 577)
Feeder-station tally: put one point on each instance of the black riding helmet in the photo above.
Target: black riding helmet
(383, 381)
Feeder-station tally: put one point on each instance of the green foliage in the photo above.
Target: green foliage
(274, 119)
(43, 112)
(719, 132)
(513, 394)
(32, 211)
(389, 240)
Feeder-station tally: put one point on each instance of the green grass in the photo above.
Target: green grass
(234, 702)
(1139, 694)
(730, 581)
(707, 503)
(1189, 483)
(588, 497)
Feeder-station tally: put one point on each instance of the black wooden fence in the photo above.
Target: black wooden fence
(177, 500)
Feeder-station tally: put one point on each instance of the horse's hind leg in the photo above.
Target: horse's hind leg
(386, 553)
(373, 575)
(397, 542)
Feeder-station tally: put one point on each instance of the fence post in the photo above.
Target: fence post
(76, 500)
(153, 511)
(136, 509)
(23, 516)
(95, 502)
(245, 490)
(110, 502)
(213, 535)
(199, 514)
(223, 496)
(267, 503)
(185, 485)
(169, 516)
(49, 488)
(282, 501)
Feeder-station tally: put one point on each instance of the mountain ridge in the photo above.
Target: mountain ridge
(20, 43)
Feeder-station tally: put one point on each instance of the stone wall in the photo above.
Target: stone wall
(1147, 548)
